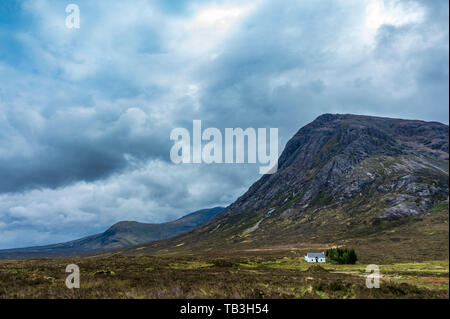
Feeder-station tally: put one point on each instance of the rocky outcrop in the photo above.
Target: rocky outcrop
(339, 157)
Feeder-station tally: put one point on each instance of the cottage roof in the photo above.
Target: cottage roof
(314, 255)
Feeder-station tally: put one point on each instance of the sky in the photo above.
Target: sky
(86, 114)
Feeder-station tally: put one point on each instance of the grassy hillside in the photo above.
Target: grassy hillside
(414, 238)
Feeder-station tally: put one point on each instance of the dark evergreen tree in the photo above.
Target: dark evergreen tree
(342, 255)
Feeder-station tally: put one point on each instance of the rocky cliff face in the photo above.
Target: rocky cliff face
(339, 157)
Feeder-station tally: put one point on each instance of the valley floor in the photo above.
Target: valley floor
(237, 275)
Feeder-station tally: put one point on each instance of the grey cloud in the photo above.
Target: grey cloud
(153, 192)
(302, 42)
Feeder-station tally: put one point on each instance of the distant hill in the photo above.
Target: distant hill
(380, 184)
(122, 234)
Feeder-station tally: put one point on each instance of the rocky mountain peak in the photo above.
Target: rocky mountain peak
(339, 156)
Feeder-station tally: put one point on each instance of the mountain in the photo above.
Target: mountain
(122, 234)
(371, 182)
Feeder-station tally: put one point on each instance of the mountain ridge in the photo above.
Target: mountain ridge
(119, 235)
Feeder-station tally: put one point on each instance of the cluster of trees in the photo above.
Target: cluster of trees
(342, 255)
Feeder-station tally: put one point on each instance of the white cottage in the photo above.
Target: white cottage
(315, 257)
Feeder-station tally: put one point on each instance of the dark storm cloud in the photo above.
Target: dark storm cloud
(300, 45)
